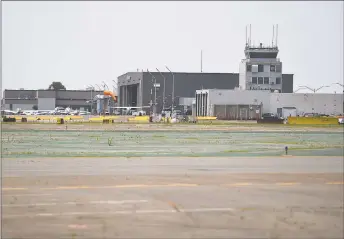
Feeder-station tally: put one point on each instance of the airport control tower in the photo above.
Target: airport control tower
(261, 69)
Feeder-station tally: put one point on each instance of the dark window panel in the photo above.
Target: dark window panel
(266, 80)
(260, 80)
(260, 68)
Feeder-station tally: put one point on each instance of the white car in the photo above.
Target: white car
(341, 120)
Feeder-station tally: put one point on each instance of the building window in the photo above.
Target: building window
(254, 80)
(254, 68)
(266, 80)
(248, 68)
(278, 80)
(260, 80)
(278, 68)
(272, 68)
(260, 68)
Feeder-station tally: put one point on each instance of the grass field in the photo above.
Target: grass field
(137, 140)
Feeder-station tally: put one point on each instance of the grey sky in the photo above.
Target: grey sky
(80, 43)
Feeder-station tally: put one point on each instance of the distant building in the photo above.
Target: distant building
(138, 88)
(48, 99)
(247, 104)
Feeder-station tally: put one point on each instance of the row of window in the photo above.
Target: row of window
(265, 80)
(260, 68)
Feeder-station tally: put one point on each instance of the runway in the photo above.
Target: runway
(243, 197)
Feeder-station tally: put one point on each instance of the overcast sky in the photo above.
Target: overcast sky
(80, 43)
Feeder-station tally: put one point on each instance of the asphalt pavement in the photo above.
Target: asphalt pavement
(253, 197)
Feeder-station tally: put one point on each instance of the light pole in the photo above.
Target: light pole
(104, 84)
(154, 109)
(338, 84)
(100, 89)
(301, 88)
(314, 89)
(172, 86)
(163, 94)
(92, 89)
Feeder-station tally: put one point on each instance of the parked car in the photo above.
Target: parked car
(341, 120)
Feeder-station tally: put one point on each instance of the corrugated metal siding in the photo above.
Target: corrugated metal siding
(236, 112)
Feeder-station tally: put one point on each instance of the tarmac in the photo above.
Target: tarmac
(173, 197)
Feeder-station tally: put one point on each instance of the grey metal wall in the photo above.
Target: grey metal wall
(76, 94)
(20, 94)
(237, 112)
(185, 85)
(48, 99)
(287, 83)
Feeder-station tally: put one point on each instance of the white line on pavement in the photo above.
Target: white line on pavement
(26, 195)
(74, 203)
(157, 211)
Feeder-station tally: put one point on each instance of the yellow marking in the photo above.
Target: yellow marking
(287, 184)
(7, 189)
(248, 209)
(335, 183)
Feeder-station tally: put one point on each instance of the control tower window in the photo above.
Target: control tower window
(260, 68)
(278, 80)
(260, 80)
(278, 68)
(272, 68)
(254, 80)
(266, 80)
(248, 68)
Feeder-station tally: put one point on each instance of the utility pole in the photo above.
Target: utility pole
(163, 96)
(154, 108)
(172, 88)
(201, 61)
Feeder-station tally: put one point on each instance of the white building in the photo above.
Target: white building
(246, 104)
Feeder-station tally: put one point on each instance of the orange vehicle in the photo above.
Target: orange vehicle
(114, 97)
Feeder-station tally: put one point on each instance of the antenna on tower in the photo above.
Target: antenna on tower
(201, 60)
(246, 35)
(273, 35)
(250, 36)
(276, 33)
